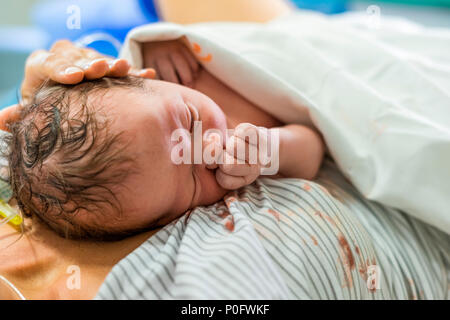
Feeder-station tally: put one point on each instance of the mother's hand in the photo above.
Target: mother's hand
(68, 64)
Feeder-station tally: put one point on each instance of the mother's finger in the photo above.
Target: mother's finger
(94, 64)
(118, 68)
(94, 69)
(9, 115)
(148, 73)
(42, 65)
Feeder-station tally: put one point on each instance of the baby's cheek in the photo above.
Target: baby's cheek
(211, 191)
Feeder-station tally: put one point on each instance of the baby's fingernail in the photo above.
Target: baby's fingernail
(72, 70)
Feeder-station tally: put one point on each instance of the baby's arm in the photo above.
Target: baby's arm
(301, 151)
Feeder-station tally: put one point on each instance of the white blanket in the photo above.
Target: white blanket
(380, 97)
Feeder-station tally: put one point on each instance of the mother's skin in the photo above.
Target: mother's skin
(37, 263)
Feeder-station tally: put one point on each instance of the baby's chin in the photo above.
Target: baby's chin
(211, 192)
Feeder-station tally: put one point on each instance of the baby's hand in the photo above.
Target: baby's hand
(241, 163)
(172, 61)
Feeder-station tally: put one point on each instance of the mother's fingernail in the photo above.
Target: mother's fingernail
(112, 63)
(87, 66)
(143, 72)
(72, 70)
(147, 73)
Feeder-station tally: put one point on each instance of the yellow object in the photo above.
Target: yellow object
(194, 11)
(8, 212)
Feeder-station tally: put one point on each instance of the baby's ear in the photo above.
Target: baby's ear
(8, 115)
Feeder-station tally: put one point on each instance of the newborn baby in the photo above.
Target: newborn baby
(96, 160)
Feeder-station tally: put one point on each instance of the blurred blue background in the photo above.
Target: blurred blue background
(27, 25)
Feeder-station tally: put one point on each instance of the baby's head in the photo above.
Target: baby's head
(94, 160)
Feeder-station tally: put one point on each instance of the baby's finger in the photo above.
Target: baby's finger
(248, 132)
(193, 63)
(231, 167)
(212, 166)
(240, 170)
(231, 182)
(182, 67)
(243, 151)
(166, 70)
(213, 155)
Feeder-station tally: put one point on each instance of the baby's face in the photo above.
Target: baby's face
(161, 190)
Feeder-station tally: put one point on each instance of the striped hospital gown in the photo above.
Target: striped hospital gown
(288, 239)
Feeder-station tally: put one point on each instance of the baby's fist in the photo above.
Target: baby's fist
(241, 165)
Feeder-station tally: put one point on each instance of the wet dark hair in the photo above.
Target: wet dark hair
(64, 161)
